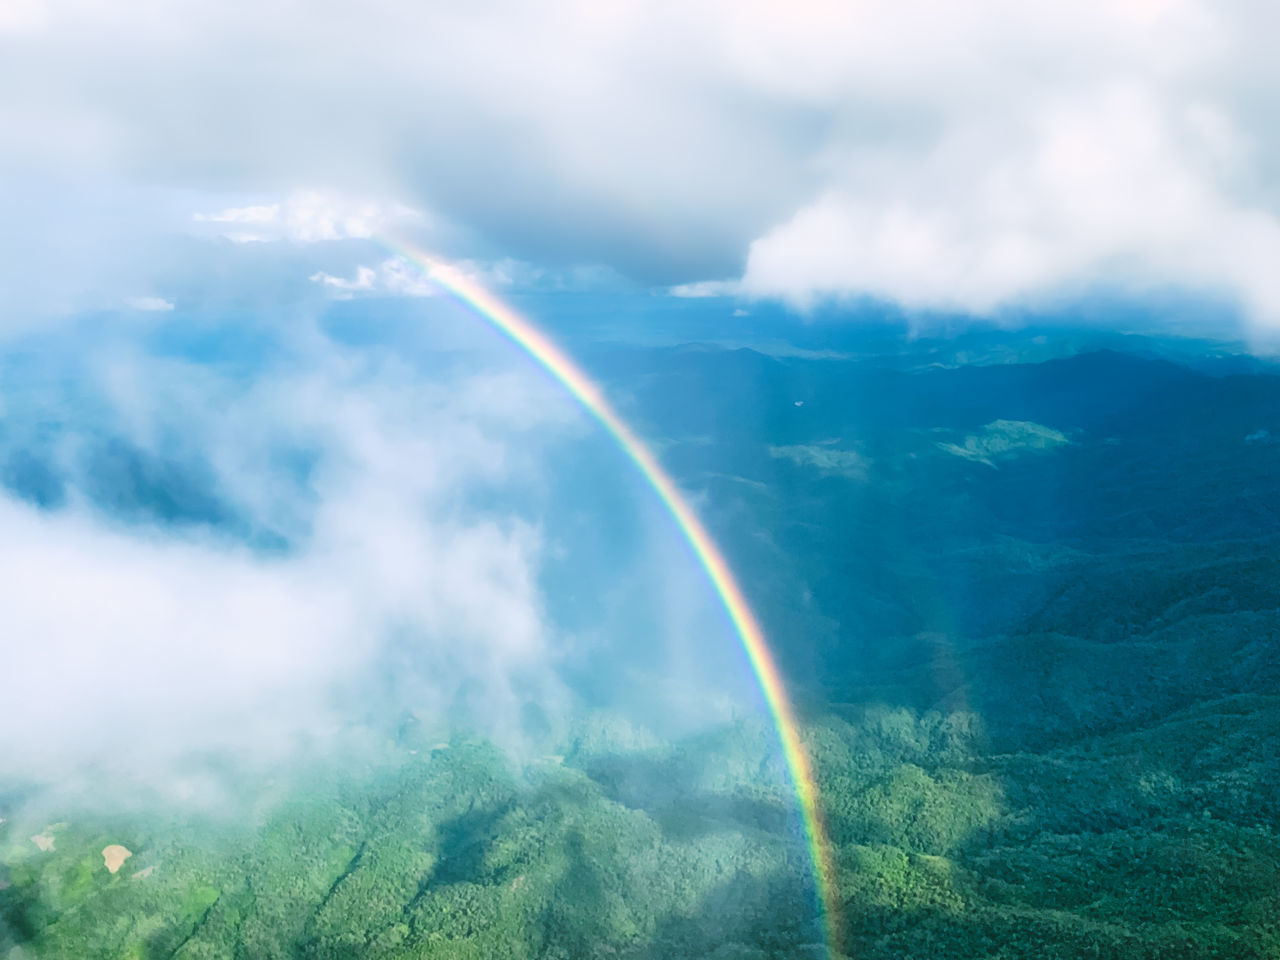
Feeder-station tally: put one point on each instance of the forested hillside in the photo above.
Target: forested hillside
(1032, 616)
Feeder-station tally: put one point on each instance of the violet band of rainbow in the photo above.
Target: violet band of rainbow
(556, 362)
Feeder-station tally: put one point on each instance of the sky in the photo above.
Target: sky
(222, 173)
(972, 157)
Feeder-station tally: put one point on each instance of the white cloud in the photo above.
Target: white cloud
(134, 648)
(149, 304)
(1108, 190)
(366, 280)
(397, 277)
(20, 16)
(969, 156)
(255, 214)
(700, 289)
(309, 216)
(393, 277)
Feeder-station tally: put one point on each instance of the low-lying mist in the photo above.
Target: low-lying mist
(216, 571)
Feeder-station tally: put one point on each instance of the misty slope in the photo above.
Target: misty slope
(1034, 609)
(1150, 845)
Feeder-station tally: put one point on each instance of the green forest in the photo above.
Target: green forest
(1039, 683)
(1152, 843)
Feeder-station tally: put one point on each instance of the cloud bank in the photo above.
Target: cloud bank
(968, 157)
(251, 570)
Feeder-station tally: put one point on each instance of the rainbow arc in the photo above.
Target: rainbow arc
(560, 366)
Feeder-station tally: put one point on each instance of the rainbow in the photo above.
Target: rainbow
(542, 349)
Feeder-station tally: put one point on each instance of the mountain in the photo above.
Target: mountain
(1029, 604)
